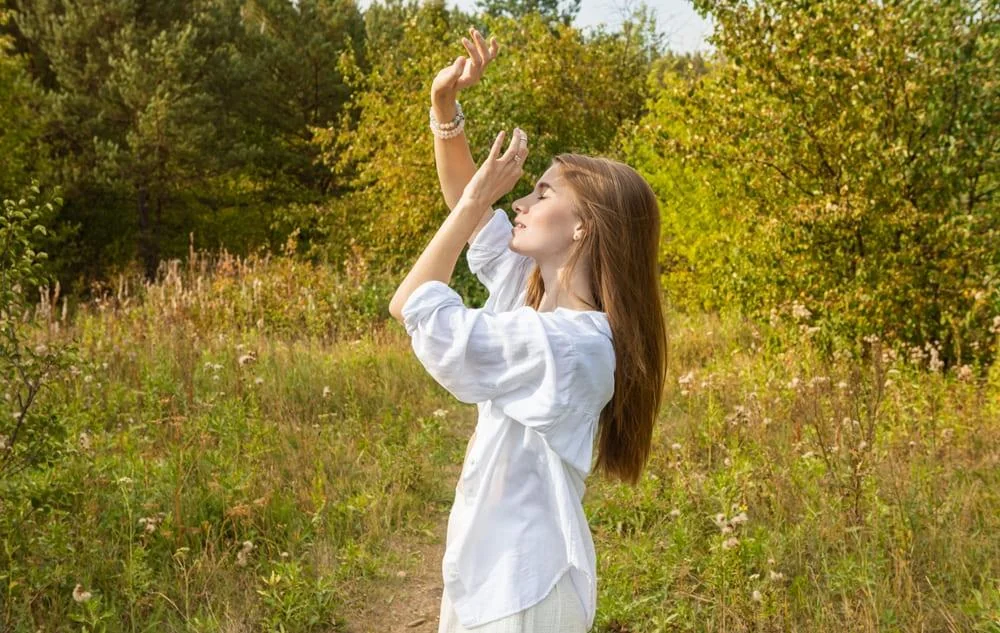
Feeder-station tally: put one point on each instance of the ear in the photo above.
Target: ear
(578, 231)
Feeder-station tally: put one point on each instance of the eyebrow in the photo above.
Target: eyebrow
(542, 183)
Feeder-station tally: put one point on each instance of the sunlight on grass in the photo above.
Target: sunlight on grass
(237, 462)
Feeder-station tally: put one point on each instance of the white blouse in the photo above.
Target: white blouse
(540, 381)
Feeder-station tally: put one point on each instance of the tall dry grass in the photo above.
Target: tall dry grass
(245, 436)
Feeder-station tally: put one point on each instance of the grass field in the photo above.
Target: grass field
(245, 442)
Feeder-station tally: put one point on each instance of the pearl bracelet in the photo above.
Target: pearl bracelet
(451, 128)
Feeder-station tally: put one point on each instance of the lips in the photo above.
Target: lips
(518, 225)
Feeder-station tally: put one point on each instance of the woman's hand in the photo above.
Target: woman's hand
(498, 174)
(464, 71)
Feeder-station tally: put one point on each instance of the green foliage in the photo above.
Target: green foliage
(293, 601)
(553, 10)
(30, 435)
(182, 118)
(33, 362)
(852, 151)
(19, 126)
(553, 83)
(242, 457)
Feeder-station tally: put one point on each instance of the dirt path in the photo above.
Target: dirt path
(409, 601)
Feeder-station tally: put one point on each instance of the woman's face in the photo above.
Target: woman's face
(548, 219)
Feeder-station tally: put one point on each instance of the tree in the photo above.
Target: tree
(863, 140)
(179, 117)
(569, 93)
(556, 11)
(19, 128)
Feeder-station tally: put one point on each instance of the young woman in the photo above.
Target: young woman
(570, 348)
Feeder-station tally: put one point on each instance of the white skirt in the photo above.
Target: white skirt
(559, 612)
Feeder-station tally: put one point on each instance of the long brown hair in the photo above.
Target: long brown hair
(621, 220)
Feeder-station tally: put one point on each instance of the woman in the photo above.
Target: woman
(570, 347)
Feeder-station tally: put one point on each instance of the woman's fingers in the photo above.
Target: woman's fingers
(457, 67)
(517, 150)
(515, 140)
(495, 150)
(484, 52)
(477, 59)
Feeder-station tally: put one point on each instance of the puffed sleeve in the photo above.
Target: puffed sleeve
(516, 359)
(501, 270)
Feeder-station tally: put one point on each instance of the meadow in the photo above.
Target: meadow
(247, 441)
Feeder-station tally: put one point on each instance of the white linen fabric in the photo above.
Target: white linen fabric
(540, 381)
(559, 612)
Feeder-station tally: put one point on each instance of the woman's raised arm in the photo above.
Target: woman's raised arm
(452, 156)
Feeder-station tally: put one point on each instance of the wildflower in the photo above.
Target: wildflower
(754, 576)
(756, 596)
(3, 442)
(88, 378)
(841, 385)
(84, 441)
(739, 518)
(730, 542)
(81, 595)
(675, 446)
(247, 358)
(799, 311)
(935, 363)
(720, 520)
(686, 378)
(794, 383)
(124, 480)
(807, 455)
(675, 513)
(258, 381)
(775, 575)
(965, 373)
(439, 413)
(241, 556)
(326, 392)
